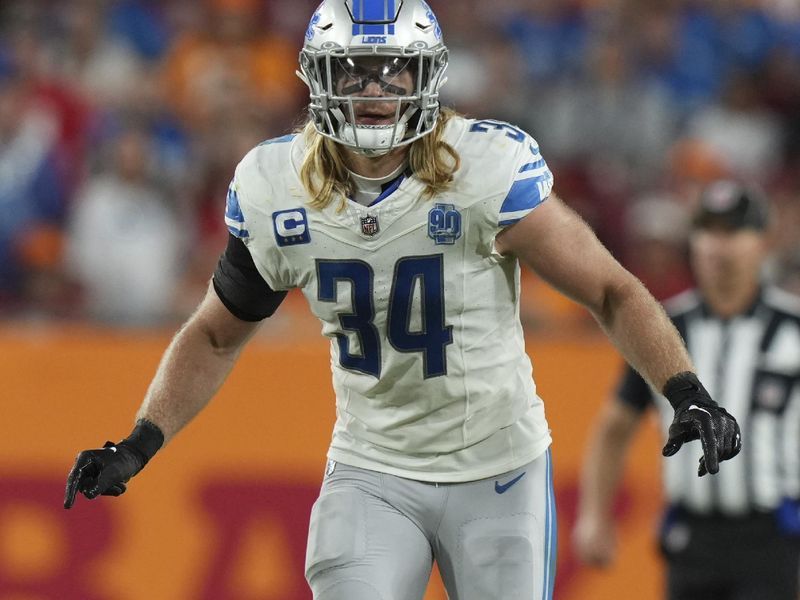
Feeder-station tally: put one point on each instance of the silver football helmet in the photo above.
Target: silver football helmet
(374, 69)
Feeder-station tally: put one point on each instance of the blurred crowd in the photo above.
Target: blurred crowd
(121, 122)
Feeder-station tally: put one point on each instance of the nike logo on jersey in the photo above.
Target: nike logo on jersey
(503, 488)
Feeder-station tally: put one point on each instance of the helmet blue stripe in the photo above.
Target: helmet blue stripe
(390, 14)
(358, 10)
(373, 10)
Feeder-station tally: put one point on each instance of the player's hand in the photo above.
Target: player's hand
(101, 472)
(594, 541)
(697, 416)
(105, 471)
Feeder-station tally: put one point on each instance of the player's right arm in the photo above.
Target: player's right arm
(202, 353)
(593, 535)
(192, 369)
(195, 365)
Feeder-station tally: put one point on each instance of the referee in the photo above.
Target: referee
(734, 535)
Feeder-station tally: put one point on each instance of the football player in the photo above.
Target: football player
(404, 225)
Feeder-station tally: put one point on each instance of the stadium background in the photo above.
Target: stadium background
(120, 125)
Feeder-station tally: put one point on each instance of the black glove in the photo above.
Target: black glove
(697, 416)
(106, 470)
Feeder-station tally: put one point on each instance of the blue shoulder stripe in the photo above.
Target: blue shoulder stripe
(232, 209)
(533, 165)
(524, 194)
(279, 140)
(239, 233)
(234, 218)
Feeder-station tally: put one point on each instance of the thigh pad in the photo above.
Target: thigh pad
(337, 533)
(496, 558)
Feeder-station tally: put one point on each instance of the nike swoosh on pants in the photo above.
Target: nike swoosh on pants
(503, 488)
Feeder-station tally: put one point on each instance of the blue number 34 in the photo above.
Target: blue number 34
(410, 273)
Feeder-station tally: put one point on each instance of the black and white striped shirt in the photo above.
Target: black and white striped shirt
(750, 365)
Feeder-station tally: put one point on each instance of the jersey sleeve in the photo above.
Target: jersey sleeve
(508, 168)
(249, 211)
(530, 184)
(634, 391)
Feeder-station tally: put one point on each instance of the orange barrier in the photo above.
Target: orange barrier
(222, 512)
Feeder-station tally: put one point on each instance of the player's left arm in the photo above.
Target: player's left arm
(561, 248)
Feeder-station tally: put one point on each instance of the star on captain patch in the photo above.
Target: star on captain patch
(369, 225)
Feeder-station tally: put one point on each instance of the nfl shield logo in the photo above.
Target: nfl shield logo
(369, 225)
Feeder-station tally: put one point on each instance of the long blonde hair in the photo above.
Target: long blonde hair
(325, 176)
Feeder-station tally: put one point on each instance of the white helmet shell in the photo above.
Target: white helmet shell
(353, 29)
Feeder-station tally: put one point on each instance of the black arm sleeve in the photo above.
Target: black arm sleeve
(240, 286)
(634, 391)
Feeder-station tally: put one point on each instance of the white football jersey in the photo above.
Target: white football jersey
(431, 377)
